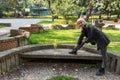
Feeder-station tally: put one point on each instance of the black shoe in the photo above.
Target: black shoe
(100, 72)
(74, 51)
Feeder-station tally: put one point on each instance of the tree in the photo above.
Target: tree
(81, 7)
(4, 6)
(115, 7)
(86, 6)
(49, 4)
(90, 6)
(109, 7)
(65, 8)
(11, 5)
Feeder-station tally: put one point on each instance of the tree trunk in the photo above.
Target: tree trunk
(1, 15)
(89, 13)
(49, 5)
(118, 15)
(108, 16)
(79, 14)
(100, 16)
(66, 19)
(52, 18)
(52, 15)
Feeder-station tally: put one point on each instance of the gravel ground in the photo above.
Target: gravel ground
(43, 70)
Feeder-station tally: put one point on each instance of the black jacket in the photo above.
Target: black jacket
(93, 35)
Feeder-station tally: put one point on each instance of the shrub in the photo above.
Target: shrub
(62, 78)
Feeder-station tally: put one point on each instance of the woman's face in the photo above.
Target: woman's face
(81, 23)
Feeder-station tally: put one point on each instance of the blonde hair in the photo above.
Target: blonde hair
(81, 19)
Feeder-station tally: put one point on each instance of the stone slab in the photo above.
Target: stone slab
(61, 54)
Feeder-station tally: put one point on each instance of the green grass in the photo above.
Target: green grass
(103, 16)
(1, 26)
(71, 36)
(72, 19)
(50, 36)
(60, 20)
(57, 21)
(62, 78)
(114, 36)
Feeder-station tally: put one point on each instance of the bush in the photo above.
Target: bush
(62, 78)
(10, 14)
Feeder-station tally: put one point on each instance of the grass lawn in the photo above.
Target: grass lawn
(71, 36)
(58, 36)
(1, 26)
(60, 20)
(114, 36)
(62, 78)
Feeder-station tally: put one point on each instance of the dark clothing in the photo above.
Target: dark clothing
(104, 57)
(94, 36)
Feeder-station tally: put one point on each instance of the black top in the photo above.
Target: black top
(93, 35)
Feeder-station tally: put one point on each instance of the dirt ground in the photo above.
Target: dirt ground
(37, 70)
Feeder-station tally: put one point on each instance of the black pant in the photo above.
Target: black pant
(104, 57)
(103, 51)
